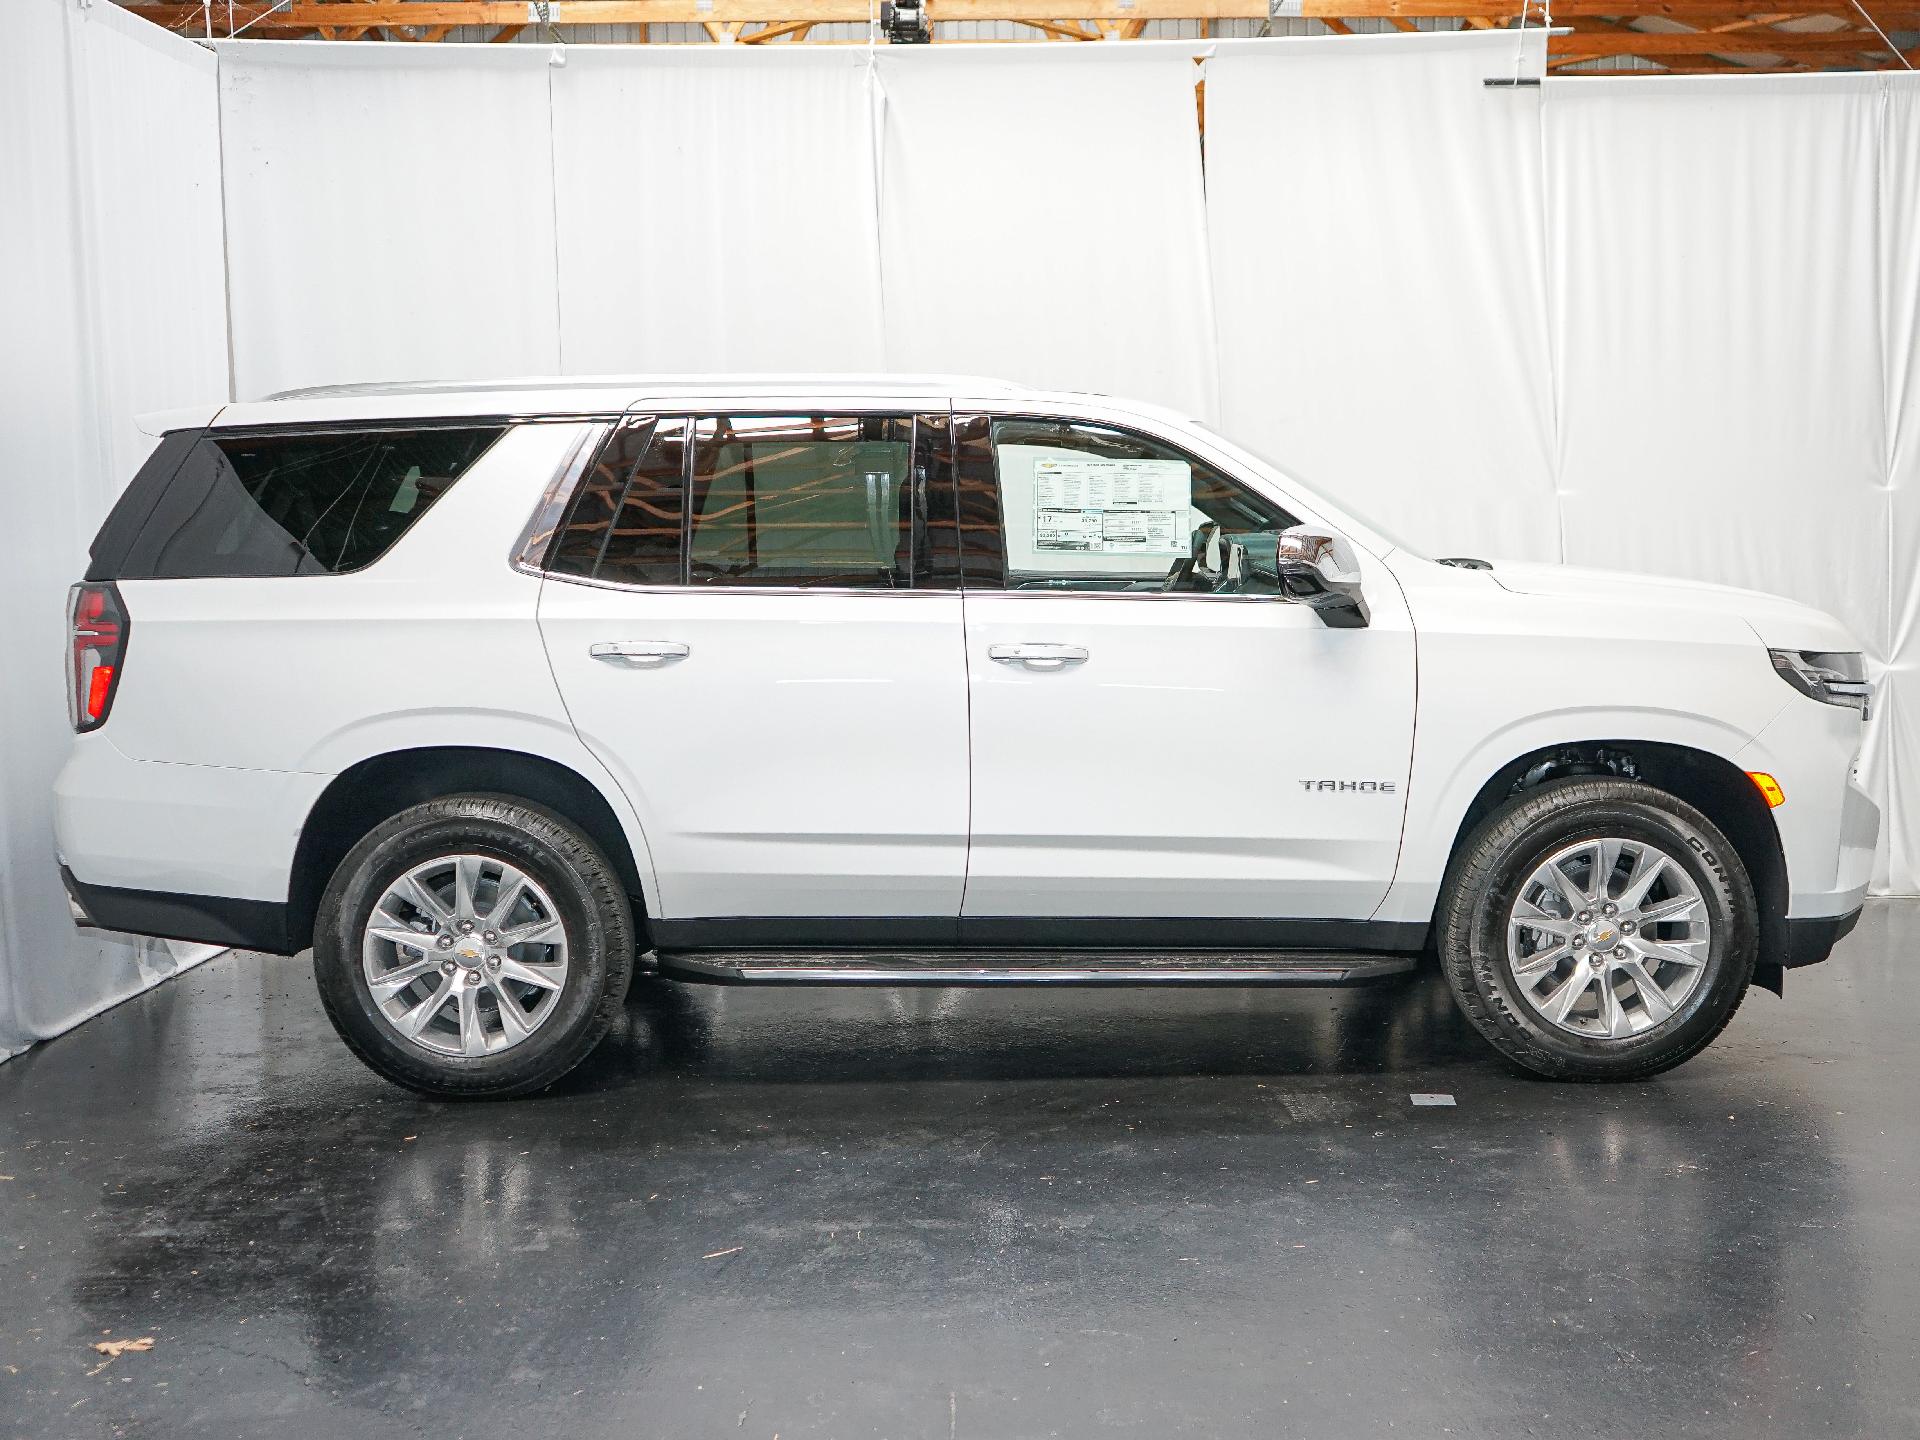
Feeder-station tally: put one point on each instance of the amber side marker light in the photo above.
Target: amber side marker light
(1768, 786)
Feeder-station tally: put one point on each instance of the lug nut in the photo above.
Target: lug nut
(446, 967)
(1584, 916)
(466, 927)
(1596, 960)
(494, 963)
(1619, 952)
(1626, 927)
(490, 937)
(1611, 908)
(445, 942)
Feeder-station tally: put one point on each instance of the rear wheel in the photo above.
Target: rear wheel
(1598, 930)
(473, 947)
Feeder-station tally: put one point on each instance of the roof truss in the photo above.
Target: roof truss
(1678, 35)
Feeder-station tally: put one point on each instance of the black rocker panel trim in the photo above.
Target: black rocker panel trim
(1135, 933)
(798, 932)
(204, 919)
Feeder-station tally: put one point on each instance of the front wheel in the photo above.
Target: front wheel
(1598, 930)
(473, 947)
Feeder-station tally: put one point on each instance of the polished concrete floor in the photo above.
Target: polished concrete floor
(970, 1214)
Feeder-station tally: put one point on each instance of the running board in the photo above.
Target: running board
(1032, 967)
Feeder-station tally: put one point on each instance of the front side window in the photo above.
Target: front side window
(1088, 507)
(297, 502)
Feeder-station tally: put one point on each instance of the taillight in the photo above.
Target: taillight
(96, 652)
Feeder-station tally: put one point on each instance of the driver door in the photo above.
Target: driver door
(1154, 762)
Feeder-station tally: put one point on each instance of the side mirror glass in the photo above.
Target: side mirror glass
(1251, 565)
(1321, 570)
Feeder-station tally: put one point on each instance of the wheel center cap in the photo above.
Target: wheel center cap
(1603, 934)
(471, 952)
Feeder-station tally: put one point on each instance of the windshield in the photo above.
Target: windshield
(1380, 533)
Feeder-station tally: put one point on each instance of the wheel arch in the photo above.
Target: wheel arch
(1712, 784)
(381, 786)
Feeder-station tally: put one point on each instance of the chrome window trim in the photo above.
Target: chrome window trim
(845, 590)
(1137, 595)
(784, 590)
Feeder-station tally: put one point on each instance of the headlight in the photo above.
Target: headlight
(1832, 677)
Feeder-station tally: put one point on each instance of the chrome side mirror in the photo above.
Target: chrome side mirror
(1321, 570)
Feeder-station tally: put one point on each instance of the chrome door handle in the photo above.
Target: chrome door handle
(1038, 657)
(639, 652)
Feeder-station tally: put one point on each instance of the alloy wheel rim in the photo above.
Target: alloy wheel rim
(1608, 938)
(465, 955)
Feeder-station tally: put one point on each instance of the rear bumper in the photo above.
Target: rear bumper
(150, 825)
(206, 919)
(1810, 941)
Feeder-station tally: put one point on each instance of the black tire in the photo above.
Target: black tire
(1493, 865)
(592, 906)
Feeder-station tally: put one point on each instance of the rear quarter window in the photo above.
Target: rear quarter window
(287, 502)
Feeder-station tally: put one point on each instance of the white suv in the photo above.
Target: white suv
(485, 692)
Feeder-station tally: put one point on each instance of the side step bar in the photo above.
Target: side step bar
(1031, 967)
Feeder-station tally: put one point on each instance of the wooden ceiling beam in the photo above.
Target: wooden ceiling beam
(1829, 44)
(1602, 28)
(312, 15)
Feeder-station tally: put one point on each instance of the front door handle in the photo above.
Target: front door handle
(638, 652)
(1038, 657)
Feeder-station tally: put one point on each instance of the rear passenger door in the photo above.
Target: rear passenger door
(743, 618)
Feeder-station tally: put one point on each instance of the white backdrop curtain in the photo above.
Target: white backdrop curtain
(110, 231)
(1896, 751)
(1665, 324)
(1379, 274)
(1042, 218)
(715, 209)
(391, 214)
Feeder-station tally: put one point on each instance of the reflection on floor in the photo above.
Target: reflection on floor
(967, 1213)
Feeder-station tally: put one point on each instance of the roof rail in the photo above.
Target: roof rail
(974, 383)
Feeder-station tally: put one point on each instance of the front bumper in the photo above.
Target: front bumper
(1829, 825)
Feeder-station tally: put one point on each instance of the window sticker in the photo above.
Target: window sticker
(1098, 506)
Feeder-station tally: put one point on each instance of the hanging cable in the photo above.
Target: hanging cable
(1882, 34)
(233, 34)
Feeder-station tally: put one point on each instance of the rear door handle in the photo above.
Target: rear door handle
(1038, 657)
(648, 653)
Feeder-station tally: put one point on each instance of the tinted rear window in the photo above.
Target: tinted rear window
(313, 503)
(122, 527)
